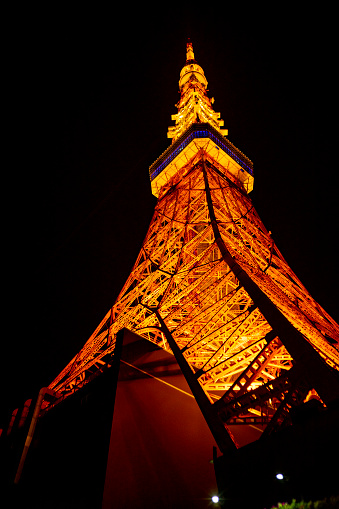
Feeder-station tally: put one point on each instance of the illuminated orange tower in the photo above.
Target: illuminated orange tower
(211, 287)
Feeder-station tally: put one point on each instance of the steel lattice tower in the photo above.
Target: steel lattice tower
(211, 286)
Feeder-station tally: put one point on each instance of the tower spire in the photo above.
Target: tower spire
(194, 105)
(189, 52)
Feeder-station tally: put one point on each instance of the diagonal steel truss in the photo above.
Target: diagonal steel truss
(211, 286)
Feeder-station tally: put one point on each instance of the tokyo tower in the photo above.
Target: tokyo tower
(211, 286)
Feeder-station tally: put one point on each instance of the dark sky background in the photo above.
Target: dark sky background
(89, 100)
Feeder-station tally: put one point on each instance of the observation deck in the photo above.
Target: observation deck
(202, 136)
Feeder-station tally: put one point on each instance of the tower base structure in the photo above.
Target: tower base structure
(132, 437)
(135, 437)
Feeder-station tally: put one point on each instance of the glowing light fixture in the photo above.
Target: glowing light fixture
(280, 477)
(215, 499)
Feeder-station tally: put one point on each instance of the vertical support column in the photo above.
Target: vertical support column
(45, 391)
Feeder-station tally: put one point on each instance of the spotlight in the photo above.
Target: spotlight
(215, 499)
(280, 477)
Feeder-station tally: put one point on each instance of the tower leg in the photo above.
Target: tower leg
(218, 429)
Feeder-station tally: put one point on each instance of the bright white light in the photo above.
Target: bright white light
(215, 499)
(279, 476)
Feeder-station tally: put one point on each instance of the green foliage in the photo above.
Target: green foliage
(327, 503)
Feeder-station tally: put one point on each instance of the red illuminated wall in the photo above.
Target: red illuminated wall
(161, 448)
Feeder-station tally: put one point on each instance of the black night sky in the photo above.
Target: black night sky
(88, 102)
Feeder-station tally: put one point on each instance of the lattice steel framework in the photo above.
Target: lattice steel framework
(211, 286)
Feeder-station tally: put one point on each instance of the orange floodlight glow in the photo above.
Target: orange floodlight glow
(210, 281)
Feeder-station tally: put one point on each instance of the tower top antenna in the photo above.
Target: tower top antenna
(189, 52)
